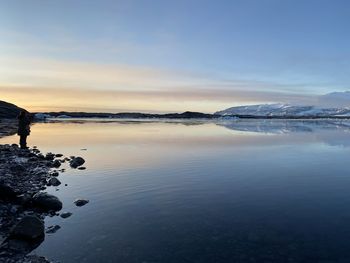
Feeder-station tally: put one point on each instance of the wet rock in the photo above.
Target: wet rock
(35, 259)
(24, 199)
(81, 202)
(66, 214)
(41, 156)
(33, 159)
(47, 202)
(81, 168)
(7, 192)
(54, 173)
(53, 181)
(50, 156)
(17, 168)
(76, 162)
(56, 164)
(52, 229)
(58, 155)
(29, 227)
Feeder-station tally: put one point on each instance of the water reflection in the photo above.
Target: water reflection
(242, 191)
(286, 126)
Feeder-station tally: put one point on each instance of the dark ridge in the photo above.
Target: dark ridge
(133, 115)
(8, 110)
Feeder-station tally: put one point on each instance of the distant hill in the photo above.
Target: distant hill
(285, 111)
(130, 115)
(8, 110)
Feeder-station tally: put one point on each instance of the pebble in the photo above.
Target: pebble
(53, 181)
(66, 214)
(81, 202)
(52, 229)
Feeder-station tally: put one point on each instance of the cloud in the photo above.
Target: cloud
(180, 99)
(40, 84)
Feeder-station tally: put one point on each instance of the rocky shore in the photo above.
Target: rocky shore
(24, 204)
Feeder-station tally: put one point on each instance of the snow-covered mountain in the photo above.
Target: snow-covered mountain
(284, 110)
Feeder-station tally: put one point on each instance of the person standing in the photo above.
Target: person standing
(23, 128)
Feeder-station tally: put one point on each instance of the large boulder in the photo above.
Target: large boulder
(29, 227)
(76, 162)
(47, 202)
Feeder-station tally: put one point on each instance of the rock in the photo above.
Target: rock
(81, 168)
(24, 199)
(66, 214)
(7, 192)
(47, 202)
(41, 156)
(81, 202)
(33, 159)
(53, 181)
(56, 164)
(29, 227)
(54, 173)
(52, 229)
(50, 156)
(76, 162)
(17, 168)
(35, 259)
(58, 155)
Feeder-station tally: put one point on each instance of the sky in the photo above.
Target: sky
(171, 56)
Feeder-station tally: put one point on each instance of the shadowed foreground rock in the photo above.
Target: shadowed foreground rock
(47, 202)
(23, 207)
(24, 174)
(29, 227)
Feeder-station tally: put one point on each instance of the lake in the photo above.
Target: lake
(192, 191)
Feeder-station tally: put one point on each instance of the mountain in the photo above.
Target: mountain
(8, 110)
(284, 110)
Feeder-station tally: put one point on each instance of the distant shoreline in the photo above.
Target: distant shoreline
(184, 115)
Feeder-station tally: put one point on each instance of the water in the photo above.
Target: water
(240, 191)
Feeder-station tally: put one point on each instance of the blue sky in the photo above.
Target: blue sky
(225, 52)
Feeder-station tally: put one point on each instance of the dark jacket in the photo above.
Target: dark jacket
(23, 126)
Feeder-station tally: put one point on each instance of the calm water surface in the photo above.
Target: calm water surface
(241, 191)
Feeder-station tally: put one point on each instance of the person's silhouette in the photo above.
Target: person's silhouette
(23, 128)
